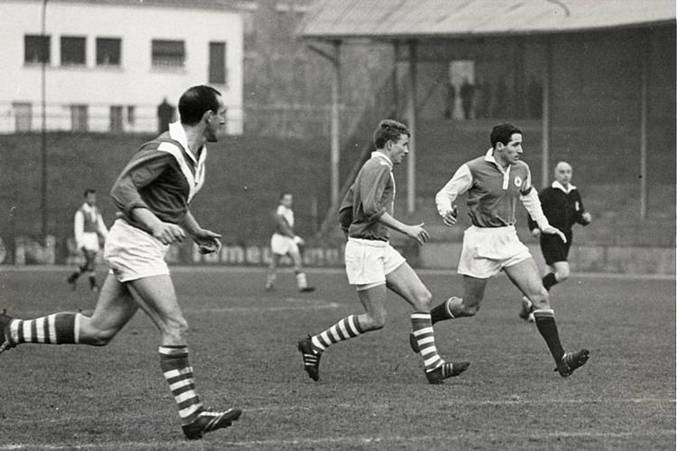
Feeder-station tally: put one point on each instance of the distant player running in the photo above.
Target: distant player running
(88, 228)
(285, 242)
(493, 184)
(373, 265)
(153, 194)
(563, 206)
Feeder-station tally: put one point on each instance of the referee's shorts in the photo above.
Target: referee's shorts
(554, 249)
(487, 250)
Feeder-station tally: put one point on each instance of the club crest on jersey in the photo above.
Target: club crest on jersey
(518, 181)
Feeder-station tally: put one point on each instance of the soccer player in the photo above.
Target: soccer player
(373, 265)
(285, 242)
(153, 194)
(88, 227)
(563, 207)
(493, 183)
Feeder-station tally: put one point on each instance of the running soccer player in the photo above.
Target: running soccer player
(563, 207)
(285, 242)
(373, 265)
(493, 183)
(88, 227)
(153, 194)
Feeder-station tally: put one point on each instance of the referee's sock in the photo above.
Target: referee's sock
(56, 329)
(545, 322)
(549, 280)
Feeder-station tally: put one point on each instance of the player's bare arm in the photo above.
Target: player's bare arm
(207, 240)
(165, 232)
(416, 232)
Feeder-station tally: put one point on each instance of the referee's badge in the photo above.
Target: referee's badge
(518, 181)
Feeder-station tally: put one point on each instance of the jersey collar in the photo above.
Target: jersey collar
(558, 185)
(378, 154)
(177, 133)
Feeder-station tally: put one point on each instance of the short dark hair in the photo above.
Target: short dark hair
(89, 191)
(389, 130)
(501, 133)
(285, 193)
(196, 101)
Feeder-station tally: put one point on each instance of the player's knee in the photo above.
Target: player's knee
(176, 328)
(100, 337)
(374, 321)
(423, 300)
(562, 274)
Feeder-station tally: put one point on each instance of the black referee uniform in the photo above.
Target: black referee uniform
(563, 208)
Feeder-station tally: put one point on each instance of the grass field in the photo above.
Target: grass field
(372, 393)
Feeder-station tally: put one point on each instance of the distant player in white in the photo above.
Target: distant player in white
(285, 242)
(88, 228)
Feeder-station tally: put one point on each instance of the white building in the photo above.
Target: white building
(106, 65)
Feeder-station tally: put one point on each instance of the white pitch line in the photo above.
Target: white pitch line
(352, 406)
(350, 440)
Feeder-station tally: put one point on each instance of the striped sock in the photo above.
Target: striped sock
(301, 280)
(425, 337)
(179, 375)
(56, 329)
(545, 322)
(348, 327)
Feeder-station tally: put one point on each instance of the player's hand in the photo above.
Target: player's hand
(587, 217)
(168, 233)
(536, 232)
(555, 231)
(449, 218)
(418, 233)
(208, 242)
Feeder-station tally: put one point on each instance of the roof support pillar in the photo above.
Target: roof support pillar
(545, 120)
(411, 120)
(335, 123)
(645, 60)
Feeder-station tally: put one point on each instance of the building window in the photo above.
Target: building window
(108, 51)
(116, 119)
(36, 49)
(217, 63)
(131, 114)
(73, 51)
(170, 54)
(79, 118)
(23, 116)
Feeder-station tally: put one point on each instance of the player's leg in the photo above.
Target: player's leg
(525, 275)
(468, 305)
(114, 308)
(301, 279)
(90, 264)
(405, 282)
(157, 297)
(272, 272)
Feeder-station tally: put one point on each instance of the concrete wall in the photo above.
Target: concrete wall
(135, 81)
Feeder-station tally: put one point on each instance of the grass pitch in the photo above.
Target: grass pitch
(372, 393)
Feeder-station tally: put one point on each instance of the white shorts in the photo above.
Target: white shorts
(369, 261)
(487, 250)
(90, 241)
(134, 254)
(282, 244)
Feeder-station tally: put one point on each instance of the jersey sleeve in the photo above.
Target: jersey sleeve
(458, 184)
(372, 185)
(345, 213)
(78, 228)
(138, 173)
